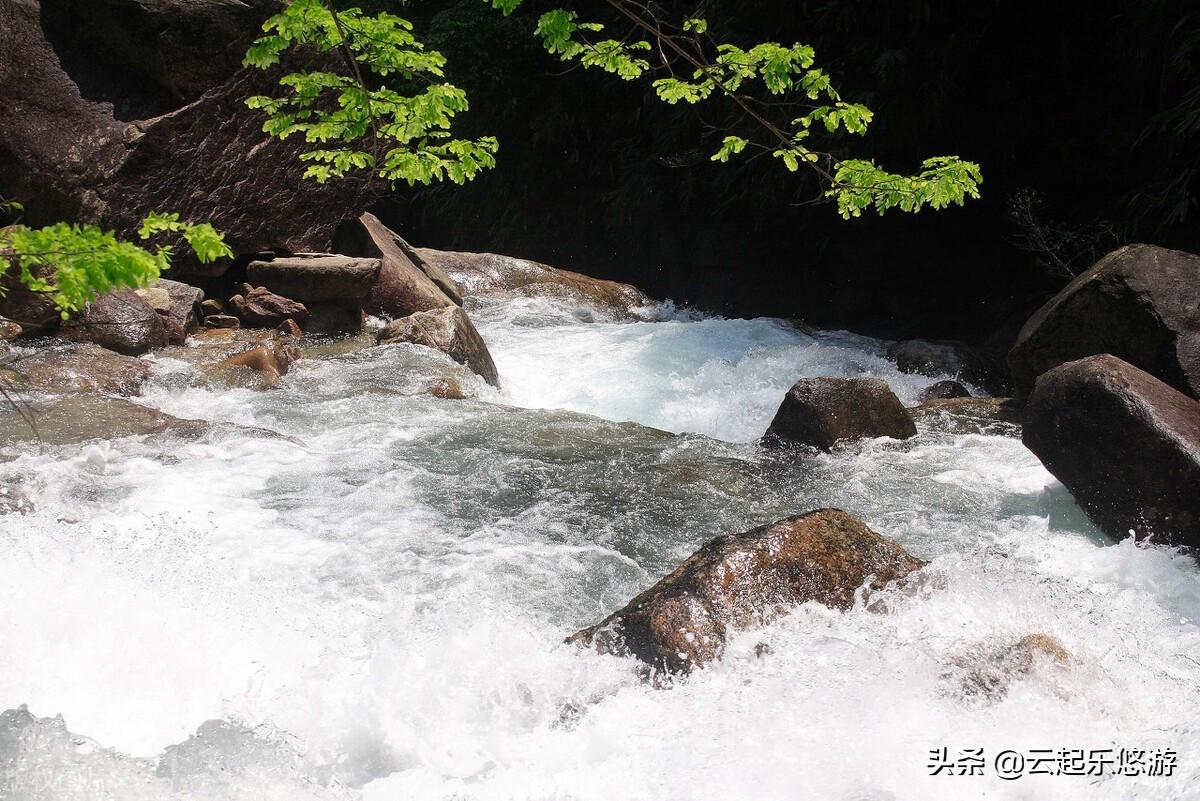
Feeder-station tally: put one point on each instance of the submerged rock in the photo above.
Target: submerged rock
(989, 669)
(120, 321)
(82, 367)
(449, 330)
(971, 415)
(1125, 444)
(740, 581)
(491, 274)
(251, 359)
(820, 412)
(1140, 303)
(78, 418)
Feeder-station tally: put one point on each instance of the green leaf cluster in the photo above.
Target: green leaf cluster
(73, 263)
(355, 120)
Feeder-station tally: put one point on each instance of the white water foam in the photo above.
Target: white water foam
(375, 607)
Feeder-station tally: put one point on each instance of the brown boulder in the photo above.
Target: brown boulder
(740, 581)
(317, 277)
(493, 274)
(120, 321)
(34, 312)
(84, 367)
(261, 308)
(449, 330)
(401, 288)
(1125, 444)
(9, 330)
(820, 412)
(943, 390)
(221, 321)
(1140, 303)
(970, 415)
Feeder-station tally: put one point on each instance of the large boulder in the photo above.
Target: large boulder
(402, 287)
(449, 330)
(1125, 444)
(820, 412)
(312, 278)
(120, 321)
(739, 581)
(1140, 303)
(110, 109)
(78, 368)
(183, 315)
(34, 312)
(493, 274)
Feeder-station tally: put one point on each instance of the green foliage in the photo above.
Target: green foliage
(355, 121)
(699, 68)
(85, 261)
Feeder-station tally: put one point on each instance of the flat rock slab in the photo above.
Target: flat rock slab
(316, 278)
(82, 367)
(740, 581)
(80, 418)
(1125, 444)
(820, 412)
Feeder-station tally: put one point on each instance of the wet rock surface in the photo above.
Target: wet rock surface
(120, 321)
(402, 287)
(79, 418)
(1140, 303)
(258, 307)
(740, 581)
(82, 367)
(820, 412)
(317, 277)
(449, 330)
(1125, 444)
(493, 274)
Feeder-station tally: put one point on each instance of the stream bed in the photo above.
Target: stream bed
(370, 603)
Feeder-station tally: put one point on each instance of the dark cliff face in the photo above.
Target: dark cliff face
(596, 175)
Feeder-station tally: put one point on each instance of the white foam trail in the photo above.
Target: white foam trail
(379, 603)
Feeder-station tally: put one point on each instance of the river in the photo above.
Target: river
(372, 605)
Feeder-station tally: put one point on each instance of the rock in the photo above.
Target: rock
(291, 328)
(185, 312)
(971, 415)
(14, 497)
(1126, 445)
(988, 669)
(112, 109)
(739, 581)
(9, 330)
(401, 288)
(249, 359)
(84, 367)
(210, 307)
(317, 277)
(34, 312)
(339, 347)
(222, 321)
(492, 274)
(943, 390)
(262, 308)
(449, 330)
(119, 321)
(260, 360)
(156, 298)
(820, 412)
(448, 389)
(78, 418)
(941, 357)
(1140, 303)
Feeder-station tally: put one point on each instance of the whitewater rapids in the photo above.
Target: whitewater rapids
(372, 605)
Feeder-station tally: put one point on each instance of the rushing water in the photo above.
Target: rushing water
(372, 606)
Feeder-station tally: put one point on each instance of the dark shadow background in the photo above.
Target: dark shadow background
(1095, 107)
